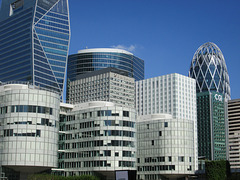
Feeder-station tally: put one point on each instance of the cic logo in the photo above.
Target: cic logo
(218, 97)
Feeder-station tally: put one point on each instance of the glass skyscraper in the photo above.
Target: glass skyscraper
(34, 41)
(209, 69)
(88, 60)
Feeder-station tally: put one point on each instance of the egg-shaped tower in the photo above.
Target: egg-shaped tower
(209, 69)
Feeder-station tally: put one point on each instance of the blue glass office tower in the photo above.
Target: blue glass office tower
(88, 60)
(209, 69)
(34, 41)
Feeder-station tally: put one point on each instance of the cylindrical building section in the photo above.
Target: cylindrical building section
(88, 60)
(29, 128)
(100, 139)
(165, 147)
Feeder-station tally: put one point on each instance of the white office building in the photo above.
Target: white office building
(167, 127)
(97, 138)
(234, 134)
(108, 84)
(29, 130)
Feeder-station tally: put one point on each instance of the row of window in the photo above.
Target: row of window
(31, 109)
(95, 164)
(120, 123)
(126, 163)
(14, 51)
(99, 114)
(53, 40)
(52, 34)
(45, 79)
(55, 19)
(98, 143)
(9, 132)
(92, 124)
(16, 69)
(15, 30)
(157, 159)
(119, 133)
(13, 20)
(16, 38)
(84, 154)
(157, 168)
(15, 66)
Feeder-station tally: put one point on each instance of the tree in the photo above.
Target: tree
(217, 170)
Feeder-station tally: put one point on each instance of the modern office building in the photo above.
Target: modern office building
(29, 120)
(166, 127)
(234, 134)
(88, 60)
(34, 41)
(97, 138)
(209, 69)
(108, 84)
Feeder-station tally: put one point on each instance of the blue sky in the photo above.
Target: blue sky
(164, 33)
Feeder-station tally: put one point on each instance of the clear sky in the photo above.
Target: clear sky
(164, 33)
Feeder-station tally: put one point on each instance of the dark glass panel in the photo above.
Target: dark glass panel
(208, 78)
(204, 87)
(216, 78)
(212, 68)
(196, 69)
(204, 67)
(200, 79)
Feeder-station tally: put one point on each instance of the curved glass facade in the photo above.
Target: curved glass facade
(209, 69)
(94, 59)
(34, 40)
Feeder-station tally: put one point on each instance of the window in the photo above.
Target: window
(107, 153)
(116, 154)
(181, 158)
(8, 132)
(170, 158)
(152, 142)
(125, 113)
(38, 134)
(165, 124)
(160, 133)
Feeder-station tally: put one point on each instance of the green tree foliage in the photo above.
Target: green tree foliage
(217, 170)
(53, 177)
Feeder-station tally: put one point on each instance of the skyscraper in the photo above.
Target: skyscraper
(88, 60)
(34, 41)
(209, 69)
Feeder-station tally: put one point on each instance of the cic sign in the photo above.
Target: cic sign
(218, 97)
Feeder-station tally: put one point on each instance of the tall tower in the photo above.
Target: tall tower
(209, 69)
(34, 42)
